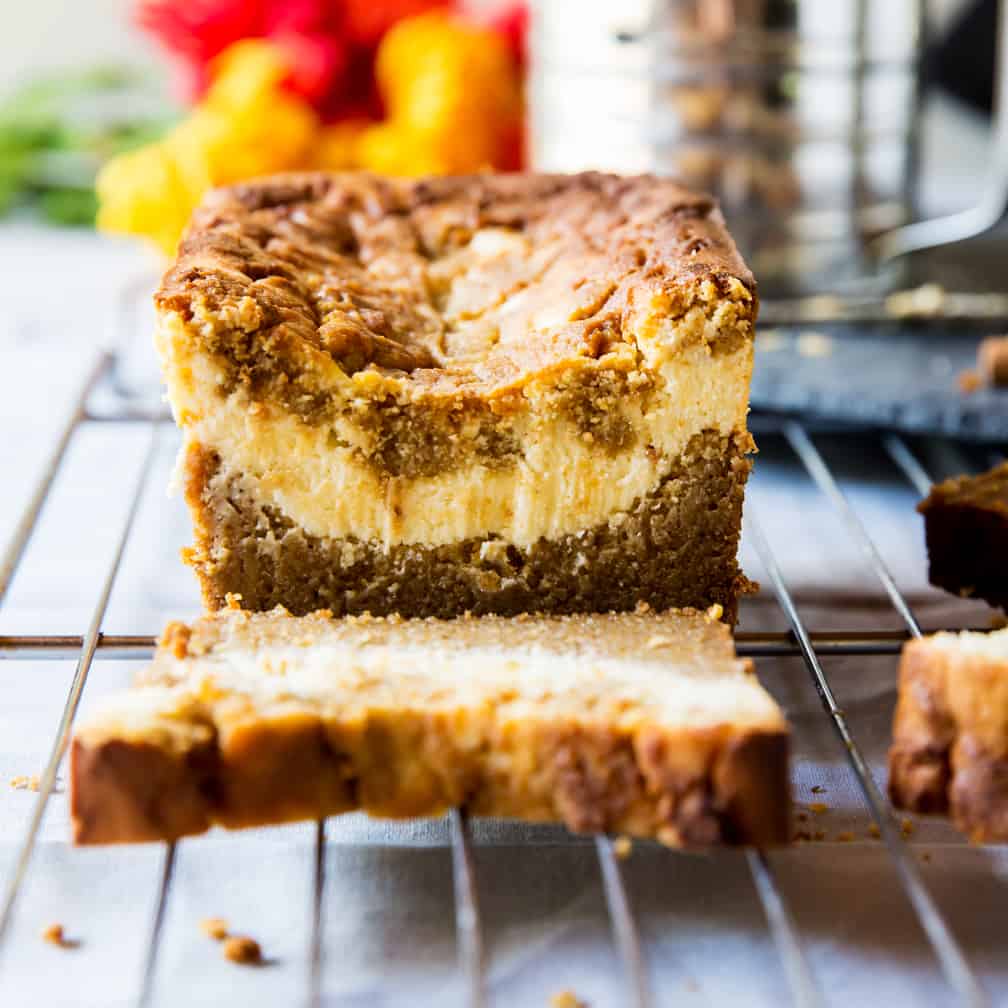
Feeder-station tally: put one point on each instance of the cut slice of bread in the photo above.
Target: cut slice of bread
(639, 723)
(950, 736)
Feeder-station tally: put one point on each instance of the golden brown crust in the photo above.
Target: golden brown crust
(950, 735)
(266, 763)
(283, 273)
(138, 793)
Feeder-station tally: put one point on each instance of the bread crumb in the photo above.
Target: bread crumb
(214, 927)
(818, 807)
(242, 949)
(623, 847)
(567, 999)
(801, 816)
(33, 782)
(55, 935)
(845, 837)
(770, 340)
(814, 344)
(906, 827)
(874, 831)
(819, 835)
(926, 856)
(969, 382)
(817, 789)
(656, 641)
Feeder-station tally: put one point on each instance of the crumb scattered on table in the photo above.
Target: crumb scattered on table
(926, 856)
(814, 344)
(214, 927)
(623, 847)
(242, 949)
(907, 827)
(567, 999)
(55, 935)
(818, 807)
(969, 382)
(874, 831)
(26, 783)
(770, 340)
(845, 837)
(817, 789)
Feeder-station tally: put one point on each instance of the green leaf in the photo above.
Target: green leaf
(69, 207)
(57, 131)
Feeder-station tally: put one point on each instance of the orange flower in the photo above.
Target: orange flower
(453, 96)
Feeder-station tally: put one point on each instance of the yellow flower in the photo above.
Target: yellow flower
(246, 126)
(337, 147)
(454, 101)
(146, 192)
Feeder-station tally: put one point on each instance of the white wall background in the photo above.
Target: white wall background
(43, 35)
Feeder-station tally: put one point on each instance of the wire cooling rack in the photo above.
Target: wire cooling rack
(796, 641)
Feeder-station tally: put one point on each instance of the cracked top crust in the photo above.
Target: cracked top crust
(455, 285)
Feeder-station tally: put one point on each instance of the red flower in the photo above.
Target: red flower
(513, 23)
(307, 17)
(318, 64)
(330, 43)
(198, 30)
(367, 20)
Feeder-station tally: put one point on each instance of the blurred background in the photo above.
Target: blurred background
(820, 126)
(805, 112)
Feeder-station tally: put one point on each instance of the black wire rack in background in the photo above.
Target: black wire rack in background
(796, 641)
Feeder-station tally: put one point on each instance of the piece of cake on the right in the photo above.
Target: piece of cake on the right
(966, 528)
(950, 734)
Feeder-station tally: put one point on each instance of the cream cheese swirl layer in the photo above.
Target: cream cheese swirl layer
(561, 482)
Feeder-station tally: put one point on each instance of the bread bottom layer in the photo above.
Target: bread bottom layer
(949, 745)
(963, 781)
(288, 770)
(675, 547)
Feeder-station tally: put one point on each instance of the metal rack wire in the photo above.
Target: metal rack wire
(797, 641)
